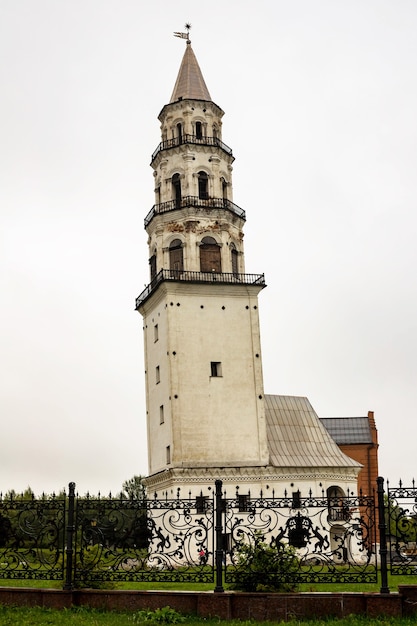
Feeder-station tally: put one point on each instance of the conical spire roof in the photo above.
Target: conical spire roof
(190, 83)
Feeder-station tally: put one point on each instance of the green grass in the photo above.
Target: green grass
(11, 616)
(88, 617)
(393, 582)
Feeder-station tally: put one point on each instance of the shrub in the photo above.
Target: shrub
(166, 615)
(264, 568)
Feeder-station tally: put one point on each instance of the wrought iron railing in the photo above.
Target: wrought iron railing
(144, 540)
(401, 525)
(327, 550)
(196, 203)
(32, 534)
(191, 139)
(82, 541)
(199, 277)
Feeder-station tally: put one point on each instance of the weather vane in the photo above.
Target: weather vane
(185, 35)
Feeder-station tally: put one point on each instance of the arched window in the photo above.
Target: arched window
(152, 266)
(338, 511)
(199, 130)
(202, 185)
(224, 188)
(210, 259)
(176, 190)
(234, 255)
(176, 260)
(215, 132)
(179, 132)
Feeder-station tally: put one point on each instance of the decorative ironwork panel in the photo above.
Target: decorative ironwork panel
(401, 524)
(333, 539)
(150, 540)
(32, 538)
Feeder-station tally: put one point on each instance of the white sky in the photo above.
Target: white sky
(320, 100)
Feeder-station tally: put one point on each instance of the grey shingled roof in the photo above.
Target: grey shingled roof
(346, 430)
(297, 438)
(190, 83)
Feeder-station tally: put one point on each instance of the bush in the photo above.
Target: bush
(264, 568)
(166, 615)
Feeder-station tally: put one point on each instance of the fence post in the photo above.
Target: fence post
(218, 536)
(382, 536)
(69, 551)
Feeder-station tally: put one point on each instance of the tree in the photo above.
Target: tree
(134, 489)
(400, 522)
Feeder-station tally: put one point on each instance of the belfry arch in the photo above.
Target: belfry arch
(210, 256)
(176, 189)
(176, 257)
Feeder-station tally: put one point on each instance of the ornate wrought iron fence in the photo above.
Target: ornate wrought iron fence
(87, 540)
(149, 540)
(401, 528)
(333, 539)
(32, 538)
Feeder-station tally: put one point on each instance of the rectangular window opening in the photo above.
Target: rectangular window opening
(161, 414)
(227, 542)
(216, 369)
(155, 333)
(201, 504)
(168, 453)
(243, 502)
(157, 374)
(296, 500)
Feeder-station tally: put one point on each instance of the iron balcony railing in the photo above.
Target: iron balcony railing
(196, 202)
(339, 514)
(199, 277)
(191, 139)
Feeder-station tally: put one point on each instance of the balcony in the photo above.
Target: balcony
(195, 202)
(220, 278)
(339, 514)
(191, 140)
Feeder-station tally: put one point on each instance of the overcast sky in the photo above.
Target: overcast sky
(320, 100)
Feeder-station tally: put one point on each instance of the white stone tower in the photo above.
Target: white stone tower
(204, 384)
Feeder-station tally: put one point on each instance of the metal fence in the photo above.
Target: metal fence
(32, 538)
(210, 538)
(148, 540)
(333, 539)
(401, 529)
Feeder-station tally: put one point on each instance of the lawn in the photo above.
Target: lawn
(11, 616)
(393, 582)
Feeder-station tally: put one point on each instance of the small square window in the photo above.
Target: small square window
(216, 369)
(157, 374)
(201, 504)
(227, 541)
(296, 500)
(155, 333)
(243, 502)
(161, 414)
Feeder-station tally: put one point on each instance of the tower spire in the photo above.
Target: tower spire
(190, 83)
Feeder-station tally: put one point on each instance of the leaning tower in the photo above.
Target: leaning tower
(204, 384)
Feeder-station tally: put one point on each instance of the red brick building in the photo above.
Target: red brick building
(358, 438)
